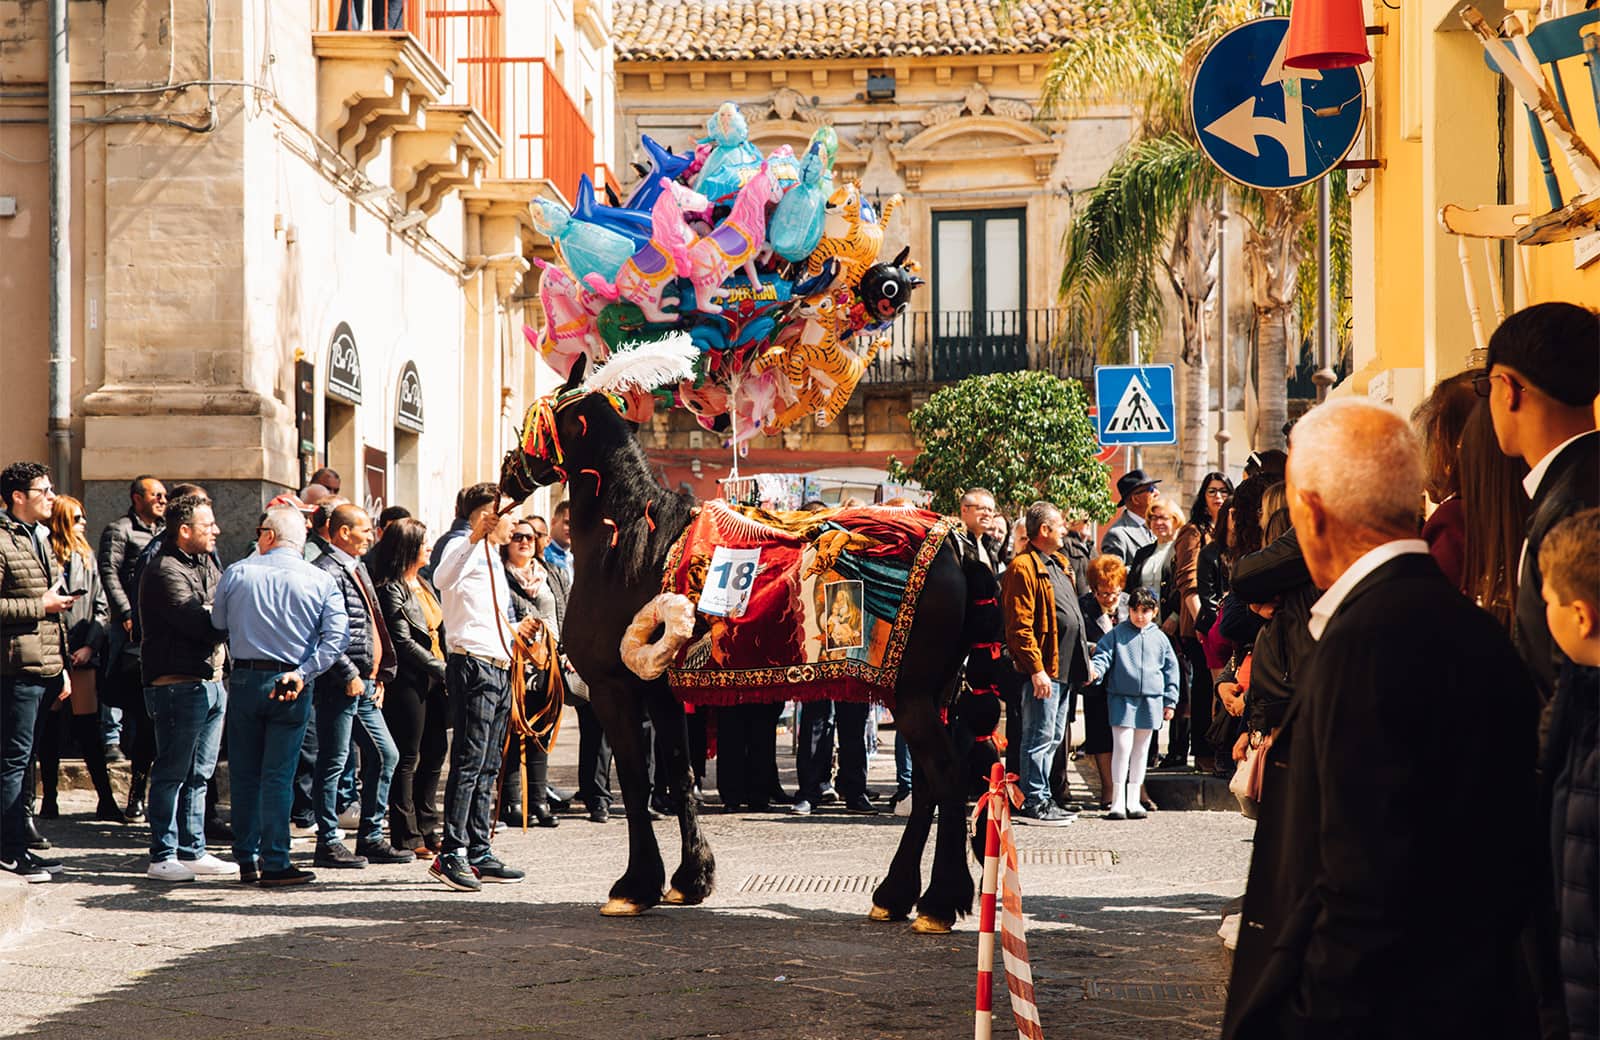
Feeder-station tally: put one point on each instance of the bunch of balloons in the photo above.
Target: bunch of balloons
(771, 269)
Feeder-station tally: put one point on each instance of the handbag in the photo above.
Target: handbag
(84, 698)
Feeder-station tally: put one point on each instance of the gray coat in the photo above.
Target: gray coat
(1125, 537)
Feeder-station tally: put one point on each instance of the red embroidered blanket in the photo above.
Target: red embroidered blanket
(799, 606)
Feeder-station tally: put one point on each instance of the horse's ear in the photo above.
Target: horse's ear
(575, 378)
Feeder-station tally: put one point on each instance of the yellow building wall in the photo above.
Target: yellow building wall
(1432, 121)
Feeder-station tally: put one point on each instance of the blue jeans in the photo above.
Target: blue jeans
(1044, 724)
(340, 716)
(264, 737)
(20, 698)
(902, 761)
(187, 717)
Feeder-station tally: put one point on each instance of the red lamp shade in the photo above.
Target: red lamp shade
(1327, 34)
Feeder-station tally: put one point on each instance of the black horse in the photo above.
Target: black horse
(623, 524)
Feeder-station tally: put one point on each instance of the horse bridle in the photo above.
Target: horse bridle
(541, 437)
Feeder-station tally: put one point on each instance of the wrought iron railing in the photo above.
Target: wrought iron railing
(948, 346)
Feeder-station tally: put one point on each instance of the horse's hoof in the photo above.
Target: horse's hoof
(926, 925)
(878, 913)
(616, 907)
(673, 897)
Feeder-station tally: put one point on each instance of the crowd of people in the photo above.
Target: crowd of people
(1351, 661)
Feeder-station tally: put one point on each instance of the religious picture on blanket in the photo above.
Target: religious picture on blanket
(842, 627)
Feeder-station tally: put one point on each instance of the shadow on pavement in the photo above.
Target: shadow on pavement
(487, 967)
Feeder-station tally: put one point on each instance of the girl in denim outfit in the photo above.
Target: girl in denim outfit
(1141, 672)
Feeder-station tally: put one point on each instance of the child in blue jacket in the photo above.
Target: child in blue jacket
(1141, 672)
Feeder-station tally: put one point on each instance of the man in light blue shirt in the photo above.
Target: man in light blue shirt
(286, 624)
(559, 552)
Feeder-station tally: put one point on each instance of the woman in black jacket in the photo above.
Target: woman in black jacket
(414, 704)
(532, 595)
(86, 646)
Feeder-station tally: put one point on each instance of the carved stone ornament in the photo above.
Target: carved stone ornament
(788, 104)
(978, 102)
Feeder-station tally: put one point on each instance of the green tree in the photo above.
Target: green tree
(1023, 435)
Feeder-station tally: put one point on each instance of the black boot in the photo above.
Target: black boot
(511, 786)
(86, 733)
(539, 787)
(136, 786)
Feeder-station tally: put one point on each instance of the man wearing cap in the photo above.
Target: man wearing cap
(1129, 532)
(1544, 367)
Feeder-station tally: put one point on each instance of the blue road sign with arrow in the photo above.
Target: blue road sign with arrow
(1264, 124)
(1134, 404)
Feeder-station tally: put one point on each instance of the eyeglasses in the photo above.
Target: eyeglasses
(261, 531)
(1483, 386)
(1216, 491)
(520, 537)
(43, 492)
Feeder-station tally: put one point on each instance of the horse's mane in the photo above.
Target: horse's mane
(628, 492)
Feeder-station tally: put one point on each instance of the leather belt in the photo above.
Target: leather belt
(499, 662)
(262, 665)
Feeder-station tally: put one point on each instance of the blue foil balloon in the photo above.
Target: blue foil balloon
(733, 160)
(662, 164)
(587, 248)
(796, 224)
(631, 224)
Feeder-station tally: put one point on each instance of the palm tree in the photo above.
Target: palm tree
(1153, 214)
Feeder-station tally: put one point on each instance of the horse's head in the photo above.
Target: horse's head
(565, 432)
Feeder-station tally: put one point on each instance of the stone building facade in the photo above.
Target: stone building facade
(293, 244)
(938, 102)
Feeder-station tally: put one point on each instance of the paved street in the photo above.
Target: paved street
(1122, 919)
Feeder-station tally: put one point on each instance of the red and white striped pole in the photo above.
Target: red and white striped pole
(984, 1022)
(1002, 884)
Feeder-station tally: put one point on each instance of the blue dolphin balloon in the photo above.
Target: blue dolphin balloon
(662, 164)
(631, 224)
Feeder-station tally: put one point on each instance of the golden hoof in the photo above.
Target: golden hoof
(621, 908)
(926, 925)
(878, 913)
(675, 898)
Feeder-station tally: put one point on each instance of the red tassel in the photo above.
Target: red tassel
(596, 473)
(614, 532)
(990, 602)
(647, 519)
(583, 425)
(561, 473)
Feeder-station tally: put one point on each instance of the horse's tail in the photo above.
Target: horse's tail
(982, 631)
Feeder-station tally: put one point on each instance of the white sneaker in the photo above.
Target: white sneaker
(169, 870)
(212, 866)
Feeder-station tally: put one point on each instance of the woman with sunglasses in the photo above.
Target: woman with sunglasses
(530, 582)
(86, 622)
(1194, 716)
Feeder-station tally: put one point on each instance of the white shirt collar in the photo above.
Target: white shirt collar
(1535, 477)
(1329, 602)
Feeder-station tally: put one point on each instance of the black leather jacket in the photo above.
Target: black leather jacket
(175, 595)
(1279, 573)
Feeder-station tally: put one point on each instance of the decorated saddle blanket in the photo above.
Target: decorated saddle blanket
(799, 606)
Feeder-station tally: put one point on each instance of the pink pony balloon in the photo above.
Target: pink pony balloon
(569, 328)
(755, 405)
(731, 244)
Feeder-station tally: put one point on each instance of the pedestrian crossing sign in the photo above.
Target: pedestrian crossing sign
(1135, 404)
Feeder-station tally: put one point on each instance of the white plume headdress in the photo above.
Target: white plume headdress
(645, 366)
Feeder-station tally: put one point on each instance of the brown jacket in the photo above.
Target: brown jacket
(1185, 561)
(32, 642)
(1028, 605)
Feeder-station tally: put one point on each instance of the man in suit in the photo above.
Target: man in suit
(347, 700)
(1129, 533)
(1374, 909)
(1544, 374)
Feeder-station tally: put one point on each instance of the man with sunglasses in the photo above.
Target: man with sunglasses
(33, 649)
(120, 545)
(1543, 377)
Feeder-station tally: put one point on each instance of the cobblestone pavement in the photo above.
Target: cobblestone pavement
(1122, 922)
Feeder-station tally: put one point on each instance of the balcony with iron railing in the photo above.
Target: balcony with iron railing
(544, 134)
(933, 347)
